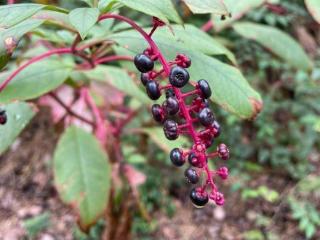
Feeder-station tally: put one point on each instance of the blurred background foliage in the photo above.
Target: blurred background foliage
(282, 142)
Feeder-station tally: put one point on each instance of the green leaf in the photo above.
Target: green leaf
(119, 79)
(19, 114)
(230, 88)
(313, 7)
(11, 15)
(10, 37)
(157, 136)
(310, 231)
(37, 224)
(163, 9)
(35, 80)
(83, 19)
(278, 42)
(207, 6)
(237, 9)
(82, 174)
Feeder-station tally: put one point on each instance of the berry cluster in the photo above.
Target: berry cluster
(194, 119)
(3, 117)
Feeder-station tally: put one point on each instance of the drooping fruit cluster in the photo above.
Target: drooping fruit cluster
(3, 117)
(186, 113)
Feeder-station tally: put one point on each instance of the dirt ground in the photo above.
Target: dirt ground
(26, 190)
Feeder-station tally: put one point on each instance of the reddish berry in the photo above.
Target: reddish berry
(143, 63)
(3, 117)
(191, 175)
(183, 61)
(206, 117)
(171, 106)
(157, 113)
(153, 90)
(219, 199)
(144, 77)
(223, 172)
(176, 156)
(204, 88)
(223, 151)
(170, 129)
(207, 138)
(178, 77)
(199, 197)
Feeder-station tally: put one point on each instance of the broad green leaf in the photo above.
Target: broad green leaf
(54, 18)
(83, 19)
(207, 6)
(11, 15)
(10, 37)
(314, 8)
(230, 88)
(19, 114)
(82, 174)
(157, 136)
(163, 9)
(119, 79)
(278, 42)
(237, 9)
(35, 80)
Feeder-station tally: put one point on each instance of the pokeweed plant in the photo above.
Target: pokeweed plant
(85, 51)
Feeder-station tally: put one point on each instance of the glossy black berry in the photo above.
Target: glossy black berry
(178, 77)
(170, 129)
(153, 90)
(199, 197)
(144, 77)
(176, 156)
(171, 106)
(191, 175)
(204, 88)
(3, 117)
(157, 113)
(215, 129)
(170, 93)
(143, 63)
(193, 159)
(223, 151)
(206, 117)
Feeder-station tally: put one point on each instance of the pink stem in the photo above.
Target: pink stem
(207, 26)
(101, 130)
(11, 2)
(113, 58)
(31, 61)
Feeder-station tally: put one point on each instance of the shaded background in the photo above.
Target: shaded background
(274, 188)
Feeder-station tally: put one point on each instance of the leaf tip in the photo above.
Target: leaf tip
(257, 106)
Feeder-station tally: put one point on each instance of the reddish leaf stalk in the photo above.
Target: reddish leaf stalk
(207, 26)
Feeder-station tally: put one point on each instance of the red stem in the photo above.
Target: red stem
(11, 2)
(69, 110)
(31, 61)
(207, 26)
(112, 58)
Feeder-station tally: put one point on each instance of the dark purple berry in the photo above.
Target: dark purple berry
(199, 197)
(170, 93)
(157, 113)
(144, 77)
(170, 129)
(143, 63)
(191, 175)
(193, 160)
(153, 90)
(3, 117)
(204, 88)
(171, 106)
(178, 76)
(206, 117)
(215, 129)
(223, 151)
(176, 156)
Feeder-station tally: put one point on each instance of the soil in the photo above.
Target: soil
(26, 190)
